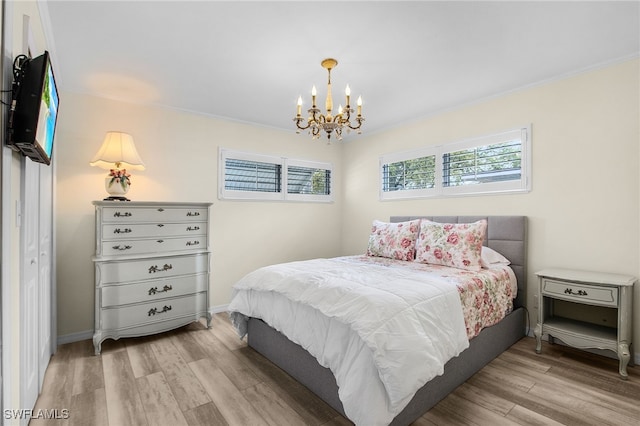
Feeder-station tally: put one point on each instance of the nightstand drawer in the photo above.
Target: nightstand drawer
(117, 231)
(156, 245)
(151, 291)
(124, 214)
(589, 294)
(111, 272)
(161, 310)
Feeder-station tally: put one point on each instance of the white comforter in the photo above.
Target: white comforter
(384, 332)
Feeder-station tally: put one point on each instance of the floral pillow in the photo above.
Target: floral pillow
(458, 245)
(394, 240)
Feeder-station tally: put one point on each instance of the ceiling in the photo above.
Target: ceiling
(249, 61)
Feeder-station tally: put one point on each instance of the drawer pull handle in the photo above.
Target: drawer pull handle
(122, 231)
(193, 214)
(160, 241)
(125, 214)
(160, 209)
(153, 269)
(154, 290)
(121, 248)
(193, 228)
(193, 243)
(160, 225)
(154, 311)
(577, 293)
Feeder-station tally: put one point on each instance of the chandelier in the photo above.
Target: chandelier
(317, 122)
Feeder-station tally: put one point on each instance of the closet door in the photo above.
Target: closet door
(45, 269)
(29, 286)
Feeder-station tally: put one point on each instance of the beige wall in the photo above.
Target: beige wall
(180, 151)
(583, 209)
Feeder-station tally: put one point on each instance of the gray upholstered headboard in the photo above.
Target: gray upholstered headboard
(505, 234)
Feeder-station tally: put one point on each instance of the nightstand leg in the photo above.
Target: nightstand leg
(624, 356)
(209, 319)
(538, 333)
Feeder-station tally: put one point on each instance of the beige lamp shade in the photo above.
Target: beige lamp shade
(119, 151)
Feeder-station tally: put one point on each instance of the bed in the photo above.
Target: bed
(504, 234)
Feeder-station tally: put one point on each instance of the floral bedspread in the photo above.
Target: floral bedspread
(486, 296)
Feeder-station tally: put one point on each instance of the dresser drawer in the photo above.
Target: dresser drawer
(156, 245)
(161, 310)
(118, 231)
(110, 272)
(125, 214)
(149, 291)
(590, 294)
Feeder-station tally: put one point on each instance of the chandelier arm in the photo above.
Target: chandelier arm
(298, 120)
(359, 120)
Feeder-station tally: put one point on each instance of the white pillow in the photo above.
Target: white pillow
(490, 256)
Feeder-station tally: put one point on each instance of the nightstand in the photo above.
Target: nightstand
(586, 288)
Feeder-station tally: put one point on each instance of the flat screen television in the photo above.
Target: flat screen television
(32, 125)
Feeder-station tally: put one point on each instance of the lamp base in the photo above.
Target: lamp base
(116, 198)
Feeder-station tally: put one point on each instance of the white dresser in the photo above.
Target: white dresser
(152, 265)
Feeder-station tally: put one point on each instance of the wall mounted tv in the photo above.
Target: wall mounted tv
(34, 109)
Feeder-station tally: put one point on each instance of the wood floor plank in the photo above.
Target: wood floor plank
(577, 401)
(312, 409)
(485, 379)
(205, 415)
(527, 417)
(271, 406)
(593, 396)
(473, 413)
(88, 374)
(143, 359)
(57, 386)
(228, 399)
(188, 347)
(160, 405)
(89, 408)
(123, 401)
(484, 399)
(186, 387)
(234, 367)
(220, 327)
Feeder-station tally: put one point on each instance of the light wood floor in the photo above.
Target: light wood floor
(196, 376)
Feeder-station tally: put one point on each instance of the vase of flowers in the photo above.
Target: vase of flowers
(117, 182)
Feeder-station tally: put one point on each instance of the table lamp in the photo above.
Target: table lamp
(118, 150)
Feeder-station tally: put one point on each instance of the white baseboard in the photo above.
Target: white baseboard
(217, 309)
(75, 337)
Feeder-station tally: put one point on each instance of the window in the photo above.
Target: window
(408, 175)
(251, 176)
(496, 163)
(245, 175)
